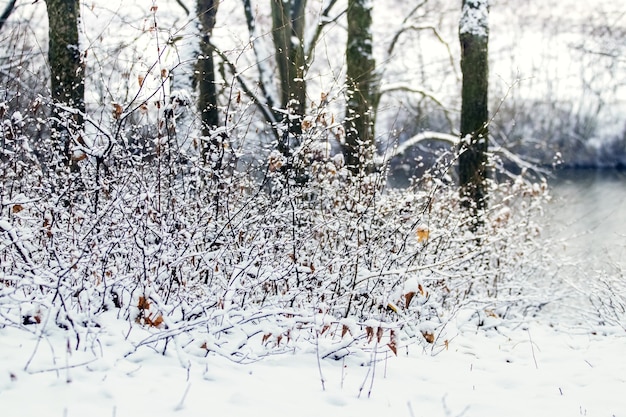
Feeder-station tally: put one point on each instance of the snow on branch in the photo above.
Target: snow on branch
(420, 137)
(475, 18)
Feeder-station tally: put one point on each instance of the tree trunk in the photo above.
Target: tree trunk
(288, 35)
(361, 81)
(6, 13)
(67, 82)
(474, 37)
(207, 97)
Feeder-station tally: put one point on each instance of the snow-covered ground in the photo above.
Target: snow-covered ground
(533, 369)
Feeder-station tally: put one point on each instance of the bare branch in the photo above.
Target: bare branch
(324, 20)
(262, 105)
(389, 88)
(434, 30)
(420, 137)
(265, 77)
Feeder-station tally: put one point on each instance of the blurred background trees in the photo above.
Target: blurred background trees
(364, 80)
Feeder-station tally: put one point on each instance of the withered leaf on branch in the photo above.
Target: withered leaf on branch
(344, 330)
(143, 303)
(422, 233)
(430, 337)
(407, 298)
(422, 290)
(156, 322)
(392, 342)
(117, 111)
(369, 331)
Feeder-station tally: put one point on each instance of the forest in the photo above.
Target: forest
(243, 178)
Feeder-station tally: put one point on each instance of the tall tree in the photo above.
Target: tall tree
(67, 76)
(7, 12)
(288, 35)
(474, 38)
(361, 84)
(207, 97)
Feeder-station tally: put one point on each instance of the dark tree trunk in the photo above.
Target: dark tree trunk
(474, 37)
(207, 97)
(67, 83)
(288, 35)
(361, 80)
(6, 13)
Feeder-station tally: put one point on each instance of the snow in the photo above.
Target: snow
(533, 369)
(475, 18)
(479, 365)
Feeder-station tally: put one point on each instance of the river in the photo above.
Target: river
(587, 217)
(585, 231)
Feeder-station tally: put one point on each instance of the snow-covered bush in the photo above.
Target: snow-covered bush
(220, 256)
(245, 266)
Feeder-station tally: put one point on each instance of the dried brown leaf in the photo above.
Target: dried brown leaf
(117, 111)
(79, 156)
(430, 337)
(369, 331)
(344, 330)
(379, 334)
(422, 233)
(143, 303)
(407, 298)
(393, 345)
(421, 290)
(158, 321)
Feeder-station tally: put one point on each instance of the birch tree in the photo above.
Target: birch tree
(358, 147)
(474, 37)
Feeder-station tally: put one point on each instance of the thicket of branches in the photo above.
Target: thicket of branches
(222, 256)
(170, 244)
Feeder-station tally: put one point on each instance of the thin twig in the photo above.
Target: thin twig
(532, 348)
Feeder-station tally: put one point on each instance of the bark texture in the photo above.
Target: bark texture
(361, 83)
(66, 65)
(288, 35)
(67, 76)
(474, 38)
(207, 91)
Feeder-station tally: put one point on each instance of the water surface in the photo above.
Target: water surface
(587, 217)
